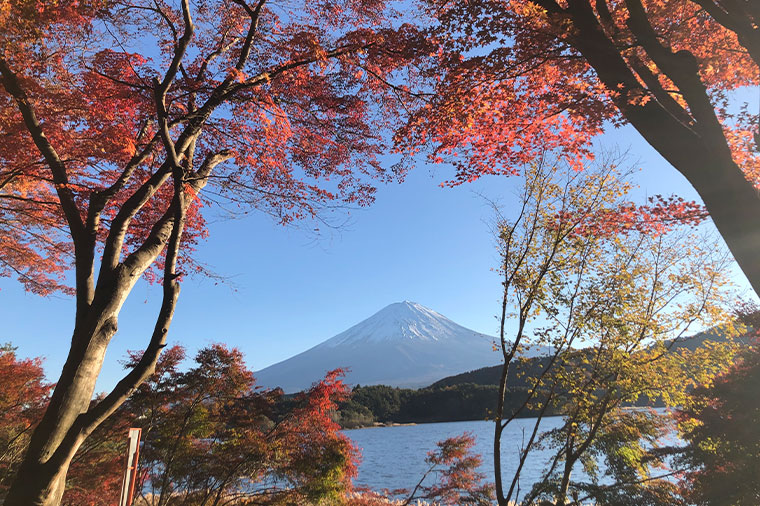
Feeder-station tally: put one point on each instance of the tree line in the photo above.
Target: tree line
(382, 404)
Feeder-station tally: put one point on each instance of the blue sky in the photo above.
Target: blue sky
(290, 290)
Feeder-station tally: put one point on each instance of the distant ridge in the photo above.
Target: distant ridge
(404, 344)
(472, 395)
(491, 375)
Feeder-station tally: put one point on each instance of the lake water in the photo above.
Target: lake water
(394, 457)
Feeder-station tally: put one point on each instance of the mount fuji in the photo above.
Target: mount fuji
(404, 345)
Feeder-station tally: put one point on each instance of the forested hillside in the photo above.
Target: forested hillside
(468, 396)
(382, 404)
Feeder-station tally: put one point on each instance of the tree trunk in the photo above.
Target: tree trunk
(70, 418)
(498, 430)
(698, 150)
(565, 483)
(730, 199)
(734, 207)
(38, 488)
(38, 485)
(42, 473)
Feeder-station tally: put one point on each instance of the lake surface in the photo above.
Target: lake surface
(394, 457)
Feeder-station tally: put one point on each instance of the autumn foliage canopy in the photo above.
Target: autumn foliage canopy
(123, 120)
(520, 77)
(534, 84)
(294, 100)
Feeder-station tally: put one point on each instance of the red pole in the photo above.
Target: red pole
(131, 495)
(130, 473)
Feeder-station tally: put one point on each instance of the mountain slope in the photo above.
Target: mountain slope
(404, 344)
(520, 374)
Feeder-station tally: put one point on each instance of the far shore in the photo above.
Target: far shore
(382, 424)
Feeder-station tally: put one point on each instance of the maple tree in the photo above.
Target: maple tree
(22, 400)
(457, 478)
(519, 77)
(450, 478)
(210, 436)
(123, 120)
(612, 306)
(720, 458)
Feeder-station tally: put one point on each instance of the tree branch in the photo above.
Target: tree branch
(173, 219)
(255, 14)
(731, 16)
(84, 243)
(60, 177)
(683, 70)
(120, 224)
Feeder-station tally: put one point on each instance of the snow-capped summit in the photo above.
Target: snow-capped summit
(399, 321)
(404, 344)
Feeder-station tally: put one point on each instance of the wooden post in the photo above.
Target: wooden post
(130, 473)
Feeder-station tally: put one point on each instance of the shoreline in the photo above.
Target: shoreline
(382, 424)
